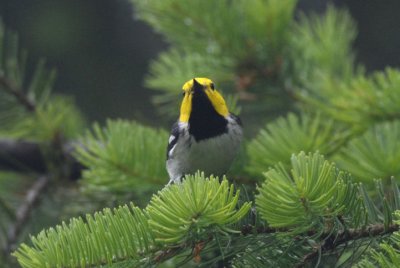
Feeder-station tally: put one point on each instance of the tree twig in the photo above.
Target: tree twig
(250, 229)
(168, 253)
(173, 251)
(24, 211)
(10, 87)
(349, 235)
(19, 155)
(330, 243)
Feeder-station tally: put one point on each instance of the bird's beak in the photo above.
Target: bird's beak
(197, 87)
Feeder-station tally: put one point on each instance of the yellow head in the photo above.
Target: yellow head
(207, 86)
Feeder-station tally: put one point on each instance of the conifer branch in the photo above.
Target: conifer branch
(21, 155)
(23, 212)
(329, 244)
(250, 229)
(347, 236)
(167, 254)
(342, 237)
(14, 90)
(173, 251)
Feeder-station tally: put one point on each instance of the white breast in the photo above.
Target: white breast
(213, 156)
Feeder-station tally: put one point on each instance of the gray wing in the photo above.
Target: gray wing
(237, 119)
(173, 138)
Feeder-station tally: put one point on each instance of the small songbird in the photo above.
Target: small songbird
(206, 136)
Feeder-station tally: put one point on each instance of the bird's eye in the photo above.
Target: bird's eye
(212, 86)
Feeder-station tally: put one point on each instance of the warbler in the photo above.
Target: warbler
(206, 136)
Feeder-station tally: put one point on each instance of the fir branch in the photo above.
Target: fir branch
(323, 190)
(122, 166)
(22, 155)
(250, 229)
(278, 140)
(110, 236)
(167, 254)
(330, 242)
(374, 154)
(175, 250)
(344, 237)
(23, 212)
(194, 209)
(11, 88)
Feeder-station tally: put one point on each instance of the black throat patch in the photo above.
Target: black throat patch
(204, 121)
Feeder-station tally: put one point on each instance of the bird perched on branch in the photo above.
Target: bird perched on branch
(206, 136)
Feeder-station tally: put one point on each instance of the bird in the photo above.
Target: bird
(206, 137)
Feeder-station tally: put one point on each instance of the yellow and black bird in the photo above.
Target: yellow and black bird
(206, 136)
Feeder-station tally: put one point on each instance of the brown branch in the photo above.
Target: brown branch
(167, 254)
(173, 251)
(24, 211)
(250, 229)
(330, 241)
(343, 237)
(11, 88)
(19, 155)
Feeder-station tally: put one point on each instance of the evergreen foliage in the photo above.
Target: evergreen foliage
(130, 235)
(28, 111)
(174, 67)
(312, 195)
(261, 33)
(387, 255)
(319, 46)
(57, 116)
(27, 108)
(107, 237)
(123, 156)
(360, 101)
(278, 140)
(375, 154)
(182, 212)
(8, 184)
(316, 202)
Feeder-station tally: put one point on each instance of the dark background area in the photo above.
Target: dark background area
(102, 53)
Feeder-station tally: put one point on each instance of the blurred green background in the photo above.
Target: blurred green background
(102, 53)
